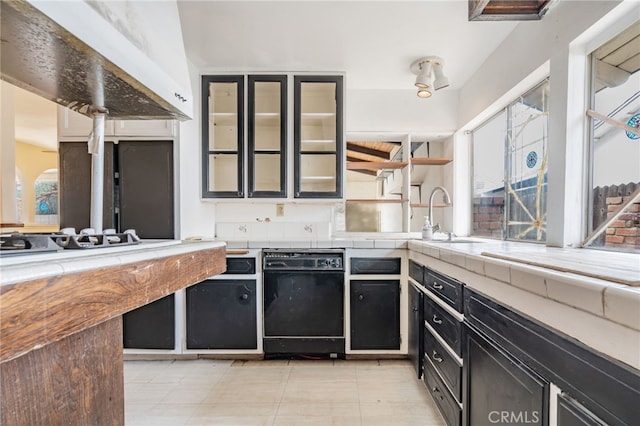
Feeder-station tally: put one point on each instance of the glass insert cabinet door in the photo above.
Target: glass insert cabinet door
(222, 134)
(267, 135)
(318, 136)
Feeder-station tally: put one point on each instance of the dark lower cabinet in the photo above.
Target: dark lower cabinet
(499, 388)
(221, 314)
(375, 314)
(572, 413)
(415, 328)
(446, 403)
(150, 326)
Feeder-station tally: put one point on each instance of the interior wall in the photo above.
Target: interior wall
(31, 161)
(197, 218)
(401, 111)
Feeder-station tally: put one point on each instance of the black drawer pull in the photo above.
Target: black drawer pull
(245, 296)
(437, 286)
(415, 309)
(436, 320)
(360, 297)
(436, 356)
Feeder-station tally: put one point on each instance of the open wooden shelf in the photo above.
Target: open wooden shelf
(435, 205)
(377, 201)
(360, 165)
(429, 161)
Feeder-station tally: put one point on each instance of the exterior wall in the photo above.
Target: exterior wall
(624, 233)
(488, 217)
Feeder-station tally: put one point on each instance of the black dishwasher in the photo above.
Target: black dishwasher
(303, 302)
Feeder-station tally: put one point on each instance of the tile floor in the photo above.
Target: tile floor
(276, 392)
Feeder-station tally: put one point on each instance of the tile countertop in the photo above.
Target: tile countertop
(15, 269)
(591, 295)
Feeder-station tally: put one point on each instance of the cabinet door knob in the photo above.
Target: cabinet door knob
(436, 356)
(360, 297)
(437, 286)
(436, 320)
(244, 296)
(415, 309)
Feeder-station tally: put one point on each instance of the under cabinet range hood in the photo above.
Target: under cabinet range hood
(126, 56)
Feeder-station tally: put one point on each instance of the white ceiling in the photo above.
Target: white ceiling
(374, 42)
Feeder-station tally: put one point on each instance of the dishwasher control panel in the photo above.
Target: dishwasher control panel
(303, 260)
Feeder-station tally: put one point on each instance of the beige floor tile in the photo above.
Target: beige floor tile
(319, 408)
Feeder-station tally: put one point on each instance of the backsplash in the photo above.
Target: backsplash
(273, 231)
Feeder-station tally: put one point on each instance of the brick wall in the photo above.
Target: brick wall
(624, 232)
(488, 217)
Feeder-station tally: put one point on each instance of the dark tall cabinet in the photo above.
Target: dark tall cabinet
(75, 186)
(138, 187)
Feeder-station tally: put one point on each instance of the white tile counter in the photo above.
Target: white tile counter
(14, 269)
(593, 296)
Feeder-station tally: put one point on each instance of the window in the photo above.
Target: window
(510, 170)
(615, 149)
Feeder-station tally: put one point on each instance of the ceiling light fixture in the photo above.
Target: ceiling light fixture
(429, 75)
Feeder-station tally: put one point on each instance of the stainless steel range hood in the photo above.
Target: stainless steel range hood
(125, 56)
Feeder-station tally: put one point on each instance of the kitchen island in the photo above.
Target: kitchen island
(61, 326)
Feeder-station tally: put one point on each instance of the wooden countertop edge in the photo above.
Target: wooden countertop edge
(41, 311)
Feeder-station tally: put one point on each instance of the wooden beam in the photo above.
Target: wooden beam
(615, 123)
(369, 151)
(359, 165)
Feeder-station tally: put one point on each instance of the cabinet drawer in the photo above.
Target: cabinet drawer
(444, 363)
(447, 288)
(416, 271)
(241, 265)
(446, 403)
(375, 265)
(444, 324)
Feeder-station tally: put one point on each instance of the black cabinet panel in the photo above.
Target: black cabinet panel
(241, 265)
(444, 363)
(415, 328)
(375, 314)
(500, 388)
(416, 271)
(75, 186)
(448, 327)
(221, 314)
(606, 387)
(375, 265)
(571, 413)
(447, 288)
(146, 188)
(150, 326)
(446, 403)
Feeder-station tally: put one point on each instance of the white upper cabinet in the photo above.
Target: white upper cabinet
(74, 125)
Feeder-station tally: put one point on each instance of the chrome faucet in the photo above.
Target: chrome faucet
(446, 199)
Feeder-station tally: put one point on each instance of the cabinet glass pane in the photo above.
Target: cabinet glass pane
(318, 173)
(223, 172)
(267, 172)
(223, 116)
(318, 116)
(267, 115)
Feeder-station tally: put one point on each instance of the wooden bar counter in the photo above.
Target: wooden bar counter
(61, 325)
